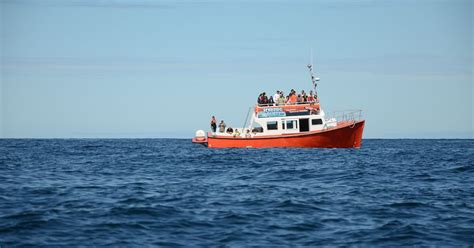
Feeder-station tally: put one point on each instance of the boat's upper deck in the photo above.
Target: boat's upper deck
(275, 110)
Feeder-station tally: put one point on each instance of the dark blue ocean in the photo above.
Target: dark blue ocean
(169, 192)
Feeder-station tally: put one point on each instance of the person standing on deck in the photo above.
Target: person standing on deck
(265, 98)
(276, 96)
(281, 99)
(213, 124)
(222, 126)
(270, 101)
(311, 97)
(293, 98)
(299, 99)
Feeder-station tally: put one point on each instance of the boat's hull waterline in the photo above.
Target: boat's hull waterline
(344, 135)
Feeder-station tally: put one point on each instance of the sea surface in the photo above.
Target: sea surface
(169, 192)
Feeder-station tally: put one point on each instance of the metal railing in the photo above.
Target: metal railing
(345, 115)
(285, 104)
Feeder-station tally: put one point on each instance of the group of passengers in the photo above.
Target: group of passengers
(279, 98)
(229, 130)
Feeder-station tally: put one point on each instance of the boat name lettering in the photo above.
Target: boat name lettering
(272, 110)
(271, 114)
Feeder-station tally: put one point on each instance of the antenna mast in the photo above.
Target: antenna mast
(314, 79)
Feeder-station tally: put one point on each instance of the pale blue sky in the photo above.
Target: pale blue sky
(123, 68)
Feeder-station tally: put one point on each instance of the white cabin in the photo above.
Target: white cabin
(274, 120)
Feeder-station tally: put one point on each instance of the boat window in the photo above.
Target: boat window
(290, 124)
(316, 122)
(272, 125)
(257, 128)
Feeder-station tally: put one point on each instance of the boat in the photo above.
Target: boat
(291, 125)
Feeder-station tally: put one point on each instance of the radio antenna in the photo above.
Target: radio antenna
(314, 79)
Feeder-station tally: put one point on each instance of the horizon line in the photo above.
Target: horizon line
(96, 138)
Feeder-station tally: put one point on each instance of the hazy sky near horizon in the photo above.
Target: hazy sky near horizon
(123, 68)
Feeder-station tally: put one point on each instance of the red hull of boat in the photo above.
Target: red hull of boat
(345, 135)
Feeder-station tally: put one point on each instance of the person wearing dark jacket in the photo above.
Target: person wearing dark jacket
(213, 124)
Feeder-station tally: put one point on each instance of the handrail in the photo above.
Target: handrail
(285, 104)
(346, 115)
